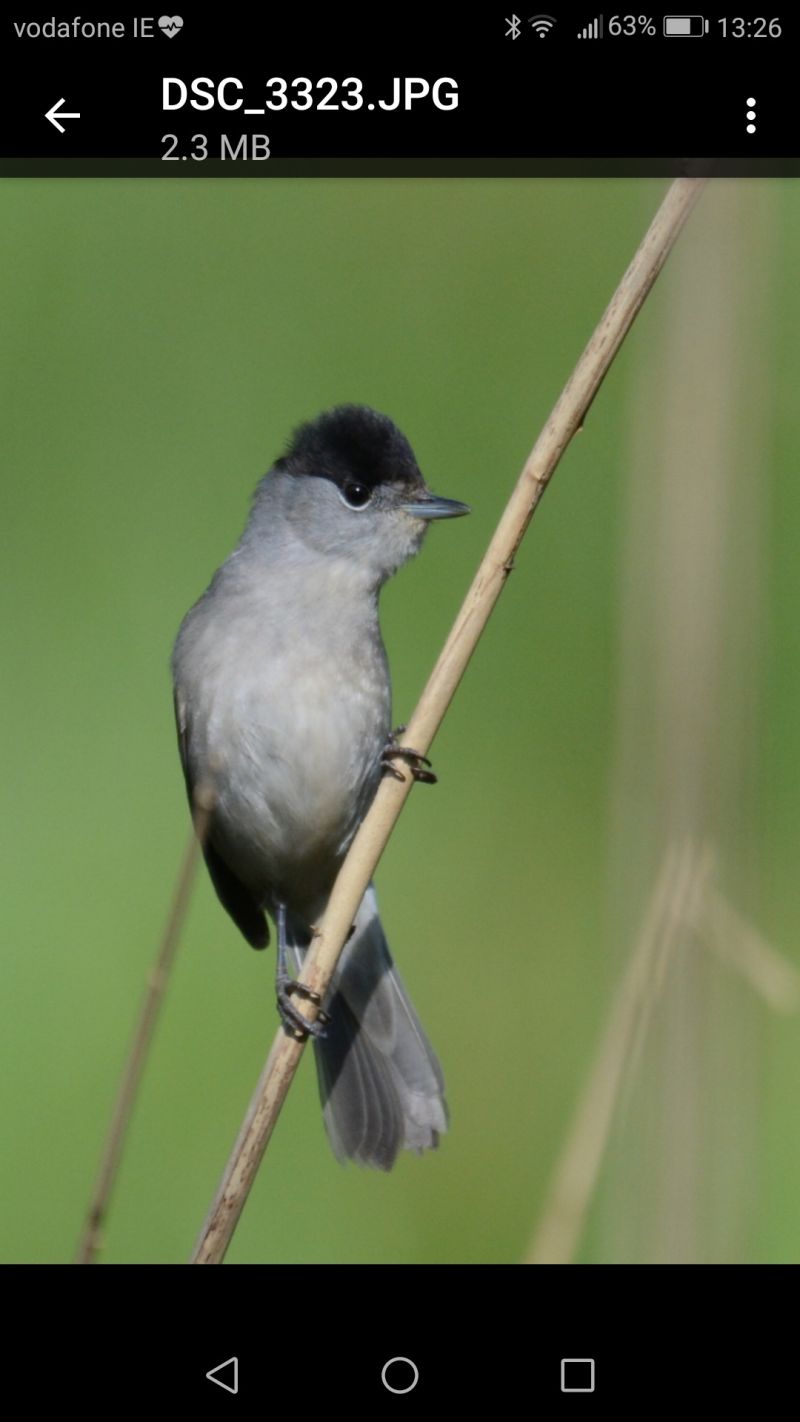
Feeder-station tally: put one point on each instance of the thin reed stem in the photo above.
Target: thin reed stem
(91, 1240)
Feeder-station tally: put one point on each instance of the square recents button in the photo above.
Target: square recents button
(577, 1374)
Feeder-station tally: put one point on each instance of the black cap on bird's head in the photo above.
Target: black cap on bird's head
(348, 490)
(353, 442)
(362, 451)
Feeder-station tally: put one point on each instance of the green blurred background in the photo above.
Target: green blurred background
(160, 341)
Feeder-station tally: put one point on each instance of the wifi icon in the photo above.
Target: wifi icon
(541, 24)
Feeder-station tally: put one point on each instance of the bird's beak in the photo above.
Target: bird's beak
(429, 505)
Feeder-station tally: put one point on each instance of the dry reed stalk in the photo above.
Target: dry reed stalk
(91, 1240)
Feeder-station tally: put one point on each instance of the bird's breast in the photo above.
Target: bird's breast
(294, 733)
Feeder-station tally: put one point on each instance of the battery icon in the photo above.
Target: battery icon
(685, 25)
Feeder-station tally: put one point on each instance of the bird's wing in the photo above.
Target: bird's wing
(231, 892)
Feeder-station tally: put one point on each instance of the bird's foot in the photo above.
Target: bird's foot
(294, 1021)
(418, 764)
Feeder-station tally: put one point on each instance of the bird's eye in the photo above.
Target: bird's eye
(355, 495)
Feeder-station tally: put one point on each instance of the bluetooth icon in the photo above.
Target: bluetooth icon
(514, 27)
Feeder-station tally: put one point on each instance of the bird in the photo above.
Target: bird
(283, 708)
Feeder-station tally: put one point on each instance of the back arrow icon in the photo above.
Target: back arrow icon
(51, 115)
(213, 1375)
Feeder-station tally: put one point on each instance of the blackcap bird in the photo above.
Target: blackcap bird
(283, 707)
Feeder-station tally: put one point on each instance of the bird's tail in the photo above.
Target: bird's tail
(381, 1085)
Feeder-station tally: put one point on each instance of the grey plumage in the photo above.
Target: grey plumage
(283, 705)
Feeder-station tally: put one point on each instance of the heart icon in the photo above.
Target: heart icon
(170, 25)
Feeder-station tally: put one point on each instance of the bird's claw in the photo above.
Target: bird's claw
(418, 764)
(295, 1022)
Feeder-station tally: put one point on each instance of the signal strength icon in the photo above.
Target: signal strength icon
(541, 24)
(592, 31)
